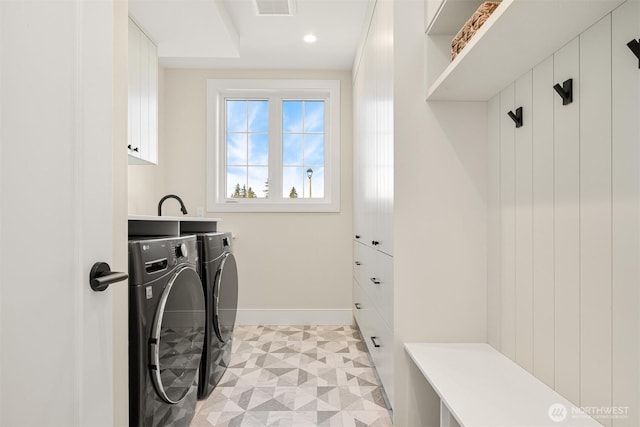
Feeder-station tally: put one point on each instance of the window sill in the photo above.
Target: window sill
(256, 206)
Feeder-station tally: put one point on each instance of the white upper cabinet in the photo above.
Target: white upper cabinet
(143, 98)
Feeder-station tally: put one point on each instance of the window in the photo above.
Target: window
(273, 146)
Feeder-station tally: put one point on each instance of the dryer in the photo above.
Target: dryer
(166, 330)
(219, 274)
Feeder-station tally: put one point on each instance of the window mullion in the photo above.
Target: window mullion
(275, 148)
(222, 149)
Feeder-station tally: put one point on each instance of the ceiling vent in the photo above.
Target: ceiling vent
(275, 7)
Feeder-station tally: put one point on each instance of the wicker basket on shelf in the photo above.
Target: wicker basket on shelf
(478, 18)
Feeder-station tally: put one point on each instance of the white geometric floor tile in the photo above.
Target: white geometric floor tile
(296, 376)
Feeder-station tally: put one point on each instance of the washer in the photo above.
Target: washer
(219, 274)
(166, 330)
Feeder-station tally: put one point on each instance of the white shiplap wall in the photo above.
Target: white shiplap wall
(564, 220)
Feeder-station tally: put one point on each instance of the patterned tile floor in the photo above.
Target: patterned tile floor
(296, 376)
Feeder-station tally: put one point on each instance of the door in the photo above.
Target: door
(57, 124)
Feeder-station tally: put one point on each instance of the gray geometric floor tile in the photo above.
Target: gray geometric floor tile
(296, 376)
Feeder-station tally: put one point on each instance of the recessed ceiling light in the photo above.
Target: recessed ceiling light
(310, 38)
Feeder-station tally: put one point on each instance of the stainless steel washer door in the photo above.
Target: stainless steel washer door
(226, 298)
(177, 336)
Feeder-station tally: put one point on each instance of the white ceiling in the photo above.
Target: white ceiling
(229, 34)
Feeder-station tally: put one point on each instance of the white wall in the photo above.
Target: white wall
(286, 260)
(564, 221)
(440, 218)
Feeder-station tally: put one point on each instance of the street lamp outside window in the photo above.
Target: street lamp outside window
(309, 174)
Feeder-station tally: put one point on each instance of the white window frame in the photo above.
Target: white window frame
(218, 90)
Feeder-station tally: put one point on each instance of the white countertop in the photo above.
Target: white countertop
(482, 387)
(172, 218)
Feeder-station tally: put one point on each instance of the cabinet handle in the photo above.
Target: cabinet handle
(358, 306)
(357, 236)
(375, 281)
(358, 263)
(135, 149)
(373, 340)
(129, 147)
(375, 242)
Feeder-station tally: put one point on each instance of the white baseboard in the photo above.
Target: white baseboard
(294, 317)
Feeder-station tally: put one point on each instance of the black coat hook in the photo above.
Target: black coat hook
(517, 117)
(634, 45)
(565, 91)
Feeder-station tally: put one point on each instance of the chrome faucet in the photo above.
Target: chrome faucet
(171, 196)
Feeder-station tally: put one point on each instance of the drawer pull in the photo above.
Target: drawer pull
(375, 281)
(375, 344)
(358, 263)
(375, 242)
(358, 306)
(357, 236)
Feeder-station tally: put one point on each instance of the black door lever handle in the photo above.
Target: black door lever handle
(101, 276)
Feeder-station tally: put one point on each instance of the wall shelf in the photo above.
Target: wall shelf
(143, 225)
(451, 16)
(517, 36)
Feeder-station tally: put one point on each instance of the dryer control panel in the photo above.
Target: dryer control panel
(154, 257)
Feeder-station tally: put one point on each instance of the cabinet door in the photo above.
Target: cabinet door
(145, 90)
(383, 228)
(135, 89)
(358, 151)
(151, 150)
(143, 98)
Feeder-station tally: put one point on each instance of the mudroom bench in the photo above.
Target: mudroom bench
(479, 386)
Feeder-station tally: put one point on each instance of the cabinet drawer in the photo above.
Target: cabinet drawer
(384, 303)
(359, 262)
(361, 308)
(379, 340)
(377, 282)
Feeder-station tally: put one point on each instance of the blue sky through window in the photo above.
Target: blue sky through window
(303, 126)
(247, 147)
(247, 141)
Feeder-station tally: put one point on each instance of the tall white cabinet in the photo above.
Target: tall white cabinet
(143, 97)
(373, 288)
